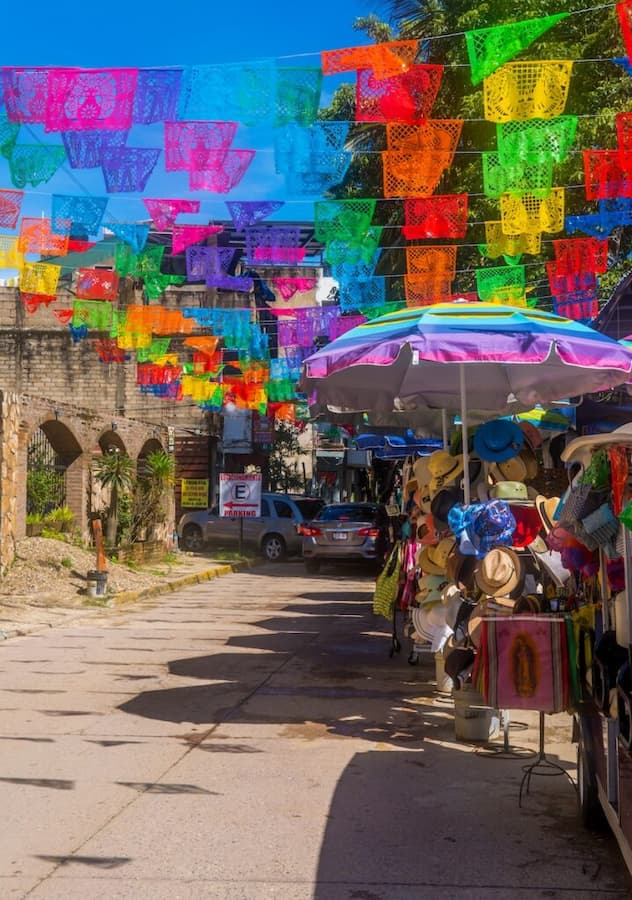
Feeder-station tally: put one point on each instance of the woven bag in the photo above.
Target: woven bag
(387, 585)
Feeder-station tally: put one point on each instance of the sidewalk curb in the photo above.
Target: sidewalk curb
(177, 583)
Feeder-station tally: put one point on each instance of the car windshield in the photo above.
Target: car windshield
(309, 507)
(347, 512)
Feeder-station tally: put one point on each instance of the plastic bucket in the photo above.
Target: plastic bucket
(97, 583)
(444, 682)
(473, 721)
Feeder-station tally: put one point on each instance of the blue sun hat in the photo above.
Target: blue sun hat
(498, 440)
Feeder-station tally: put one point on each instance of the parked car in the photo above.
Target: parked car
(274, 532)
(342, 532)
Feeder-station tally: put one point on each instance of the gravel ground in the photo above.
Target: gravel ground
(47, 583)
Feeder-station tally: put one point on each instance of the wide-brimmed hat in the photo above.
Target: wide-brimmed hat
(531, 464)
(498, 440)
(460, 569)
(430, 625)
(546, 507)
(442, 503)
(511, 491)
(421, 471)
(514, 469)
(432, 560)
(429, 589)
(531, 435)
(500, 573)
(444, 469)
(528, 523)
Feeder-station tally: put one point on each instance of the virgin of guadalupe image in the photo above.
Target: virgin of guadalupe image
(524, 666)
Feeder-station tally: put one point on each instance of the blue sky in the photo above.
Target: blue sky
(173, 33)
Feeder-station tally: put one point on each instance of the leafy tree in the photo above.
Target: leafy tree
(598, 90)
(116, 471)
(283, 465)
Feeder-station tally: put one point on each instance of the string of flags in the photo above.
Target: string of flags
(57, 119)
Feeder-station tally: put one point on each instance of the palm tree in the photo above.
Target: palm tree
(116, 471)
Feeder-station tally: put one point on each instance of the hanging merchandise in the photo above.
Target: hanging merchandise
(608, 174)
(165, 212)
(384, 59)
(36, 236)
(527, 90)
(489, 48)
(245, 93)
(183, 236)
(96, 284)
(406, 97)
(39, 278)
(436, 217)
(10, 256)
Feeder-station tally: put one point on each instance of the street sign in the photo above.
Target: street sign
(240, 495)
(194, 493)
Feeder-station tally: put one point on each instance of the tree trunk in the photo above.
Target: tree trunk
(112, 523)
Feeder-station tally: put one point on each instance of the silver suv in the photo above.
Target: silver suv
(274, 532)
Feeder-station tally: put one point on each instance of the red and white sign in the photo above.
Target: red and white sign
(240, 495)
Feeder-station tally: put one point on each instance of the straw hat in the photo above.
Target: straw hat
(432, 560)
(531, 434)
(500, 573)
(444, 469)
(442, 503)
(429, 590)
(531, 464)
(547, 507)
(460, 569)
(511, 491)
(514, 469)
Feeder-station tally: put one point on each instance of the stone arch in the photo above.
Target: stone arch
(51, 446)
(151, 445)
(109, 439)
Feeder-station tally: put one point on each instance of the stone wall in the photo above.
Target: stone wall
(9, 476)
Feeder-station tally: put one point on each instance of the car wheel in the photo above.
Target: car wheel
(312, 566)
(192, 538)
(273, 547)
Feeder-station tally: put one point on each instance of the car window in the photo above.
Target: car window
(347, 512)
(283, 509)
(309, 507)
(265, 507)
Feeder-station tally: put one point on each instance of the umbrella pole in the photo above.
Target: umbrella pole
(466, 453)
(444, 428)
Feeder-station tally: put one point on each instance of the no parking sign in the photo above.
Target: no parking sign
(240, 495)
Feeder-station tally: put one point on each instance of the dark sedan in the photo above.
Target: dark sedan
(343, 532)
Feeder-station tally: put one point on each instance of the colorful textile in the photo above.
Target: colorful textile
(96, 284)
(357, 251)
(80, 215)
(39, 278)
(194, 145)
(288, 287)
(579, 254)
(85, 149)
(436, 217)
(108, 351)
(127, 169)
(314, 158)
(612, 214)
(37, 236)
(489, 48)
(183, 236)
(607, 174)
(10, 206)
(413, 173)
(570, 282)
(511, 246)
(276, 244)
(34, 164)
(532, 215)
(406, 97)
(384, 59)
(134, 234)
(8, 135)
(249, 212)
(224, 171)
(83, 100)
(434, 135)
(525, 663)
(10, 256)
(427, 290)
(435, 262)
(148, 262)
(346, 220)
(527, 90)
(25, 94)
(342, 324)
(164, 212)
(505, 284)
(244, 92)
(534, 178)
(298, 95)
(92, 314)
(624, 12)
(156, 97)
(531, 140)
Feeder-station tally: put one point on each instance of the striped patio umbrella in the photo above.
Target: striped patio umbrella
(495, 359)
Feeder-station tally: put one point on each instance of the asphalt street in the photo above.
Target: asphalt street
(249, 738)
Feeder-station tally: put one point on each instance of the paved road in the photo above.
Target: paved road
(250, 739)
